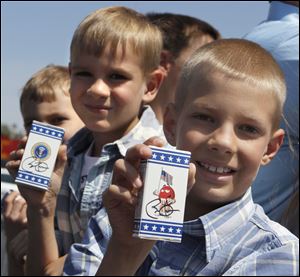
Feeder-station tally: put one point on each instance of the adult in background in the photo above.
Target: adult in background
(277, 183)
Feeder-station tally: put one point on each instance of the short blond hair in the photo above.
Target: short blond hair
(119, 26)
(236, 59)
(44, 85)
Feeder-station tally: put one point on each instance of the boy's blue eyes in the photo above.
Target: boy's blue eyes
(211, 120)
(117, 77)
(249, 129)
(113, 76)
(204, 117)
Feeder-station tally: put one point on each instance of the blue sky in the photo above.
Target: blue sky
(37, 33)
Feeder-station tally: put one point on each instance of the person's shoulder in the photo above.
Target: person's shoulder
(271, 229)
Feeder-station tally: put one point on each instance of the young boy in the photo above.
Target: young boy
(182, 35)
(114, 67)
(45, 97)
(227, 112)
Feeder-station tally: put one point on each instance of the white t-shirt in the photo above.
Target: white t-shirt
(88, 163)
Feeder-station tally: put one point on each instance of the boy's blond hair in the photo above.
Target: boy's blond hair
(118, 26)
(44, 85)
(235, 59)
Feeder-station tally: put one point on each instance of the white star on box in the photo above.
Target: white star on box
(170, 230)
(154, 156)
(146, 227)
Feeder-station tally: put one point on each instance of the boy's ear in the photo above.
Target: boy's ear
(166, 60)
(170, 124)
(273, 146)
(154, 82)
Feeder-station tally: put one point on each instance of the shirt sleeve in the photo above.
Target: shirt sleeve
(281, 261)
(84, 258)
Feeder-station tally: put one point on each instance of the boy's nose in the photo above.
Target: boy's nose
(99, 88)
(223, 140)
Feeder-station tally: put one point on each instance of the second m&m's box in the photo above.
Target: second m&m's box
(160, 212)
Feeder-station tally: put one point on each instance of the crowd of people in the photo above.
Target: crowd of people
(167, 80)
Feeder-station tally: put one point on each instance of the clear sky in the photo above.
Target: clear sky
(37, 33)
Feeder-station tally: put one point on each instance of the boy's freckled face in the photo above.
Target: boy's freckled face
(227, 126)
(58, 112)
(107, 91)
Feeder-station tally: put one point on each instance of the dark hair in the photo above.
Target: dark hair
(178, 30)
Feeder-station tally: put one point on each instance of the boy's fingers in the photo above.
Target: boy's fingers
(115, 195)
(16, 212)
(8, 203)
(16, 154)
(124, 174)
(61, 159)
(22, 143)
(155, 141)
(191, 177)
(23, 214)
(135, 154)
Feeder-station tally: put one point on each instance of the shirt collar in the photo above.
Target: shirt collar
(148, 126)
(278, 10)
(221, 224)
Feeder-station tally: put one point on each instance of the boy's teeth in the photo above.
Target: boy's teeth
(220, 169)
(212, 168)
(216, 169)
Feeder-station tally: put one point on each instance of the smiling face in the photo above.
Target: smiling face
(107, 92)
(227, 125)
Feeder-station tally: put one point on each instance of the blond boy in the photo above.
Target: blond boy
(227, 112)
(46, 98)
(115, 54)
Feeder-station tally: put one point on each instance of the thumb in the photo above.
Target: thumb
(61, 160)
(155, 141)
(191, 177)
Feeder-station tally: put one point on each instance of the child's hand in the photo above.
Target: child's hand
(121, 197)
(41, 199)
(14, 214)
(15, 158)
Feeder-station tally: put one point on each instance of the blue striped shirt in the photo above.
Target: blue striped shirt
(74, 206)
(236, 239)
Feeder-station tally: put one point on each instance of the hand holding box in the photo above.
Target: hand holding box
(39, 156)
(160, 213)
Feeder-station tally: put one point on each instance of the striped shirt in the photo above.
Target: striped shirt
(236, 239)
(75, 205)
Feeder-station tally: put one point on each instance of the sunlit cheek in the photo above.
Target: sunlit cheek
(188, 139)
